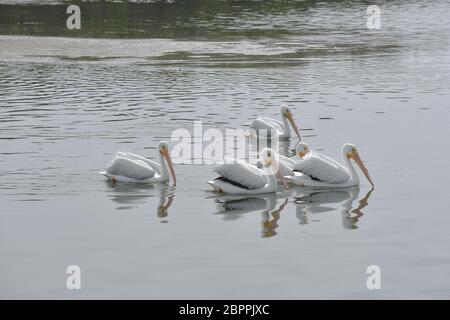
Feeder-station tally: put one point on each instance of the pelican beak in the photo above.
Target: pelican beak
(266, 162)
(169, 163)
(280, 176)
(282, 179)
(293, 124)
(355, 156)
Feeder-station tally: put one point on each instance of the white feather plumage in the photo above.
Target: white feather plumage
(135, 169)
(242, 173)
(323, 168)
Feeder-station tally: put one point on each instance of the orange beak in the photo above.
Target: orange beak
(355, 156)
(169, 163)
(293, 124)
(279, 175)
(283, 181)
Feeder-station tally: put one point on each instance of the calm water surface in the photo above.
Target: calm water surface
(138, 71)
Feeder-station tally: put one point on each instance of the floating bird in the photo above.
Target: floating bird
(318, 170)
(129, 167)
(280, 128)
(240, 177)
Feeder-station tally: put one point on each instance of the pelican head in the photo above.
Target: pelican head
(269, 158)
(286, 112)
(164, 151)
(351, 152)
(302, 149)
(266, 157)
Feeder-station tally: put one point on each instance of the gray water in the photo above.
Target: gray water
(69, 101)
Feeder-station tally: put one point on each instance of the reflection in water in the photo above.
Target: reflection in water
(129, 195)
(133, 195)
(165, 201)
(350, 217)
(169, 19)
(307, 203)
(270, 221)
(235, 206)
(316, 201)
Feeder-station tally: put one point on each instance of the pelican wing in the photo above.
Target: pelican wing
(133, 169)
(323, 168)
(267, 124)
(327, 158)
(156, 166)
(243, 173)
(286, 165)
(273, 122)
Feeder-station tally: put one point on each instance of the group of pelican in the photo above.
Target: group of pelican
(306, 168)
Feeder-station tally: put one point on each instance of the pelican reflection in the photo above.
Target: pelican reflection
(234, 207)
(129, 195)
(313, 202)
(165, 201)
(270, 220)
(133, 195)
(350, 215)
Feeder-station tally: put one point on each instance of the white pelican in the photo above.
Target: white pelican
(318, 170)
(240, 177)
(129, 167)
(280, 127)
